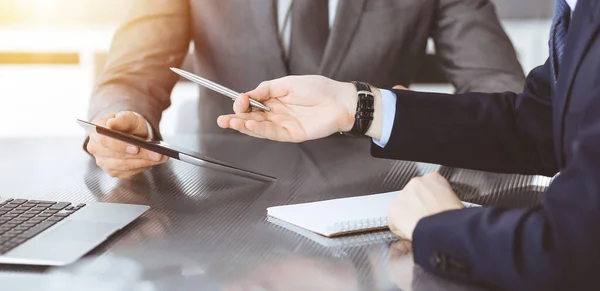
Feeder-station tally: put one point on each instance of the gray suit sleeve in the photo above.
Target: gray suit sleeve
(475, 52)
(155, 36)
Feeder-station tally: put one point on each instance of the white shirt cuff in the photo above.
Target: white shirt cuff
(388, 102)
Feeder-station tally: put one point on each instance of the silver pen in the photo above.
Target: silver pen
(216, 87)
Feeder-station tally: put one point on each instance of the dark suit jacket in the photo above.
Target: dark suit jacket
(236, 44)
(555, 246)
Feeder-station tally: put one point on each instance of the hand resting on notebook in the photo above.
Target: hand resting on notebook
(421, 197)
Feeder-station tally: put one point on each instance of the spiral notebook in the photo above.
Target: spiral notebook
(337, 217)
(342, 241)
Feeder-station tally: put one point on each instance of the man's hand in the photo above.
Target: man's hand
(421, 197)
(119, 159)
(302, 108)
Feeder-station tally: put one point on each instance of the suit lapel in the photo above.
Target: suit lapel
(346, 21)
(582, 30)
(265, 20)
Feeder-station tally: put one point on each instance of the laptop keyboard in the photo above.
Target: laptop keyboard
(22, 219)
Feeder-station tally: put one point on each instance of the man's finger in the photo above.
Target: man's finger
(399, 87)
(117, 146)
(118, 149)
(128, 122)
(99, 151)
(436, 177)
(269, 130)
(242, 104)
(231, 121)
(253, 115)
(223, 120)
(145, 155)
(124, 121)
(261, 93)
(240, 125)
(270, 89)
(112, 148)
(102, 121)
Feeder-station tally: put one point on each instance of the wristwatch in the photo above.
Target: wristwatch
(365, 107)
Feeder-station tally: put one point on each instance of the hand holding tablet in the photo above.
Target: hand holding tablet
(173, 152)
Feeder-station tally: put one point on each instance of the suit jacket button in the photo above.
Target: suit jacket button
(438, 260)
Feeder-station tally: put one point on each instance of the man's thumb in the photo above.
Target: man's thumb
(128, 122)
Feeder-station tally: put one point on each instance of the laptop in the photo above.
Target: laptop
(54, 233)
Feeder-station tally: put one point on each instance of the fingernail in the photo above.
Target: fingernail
(131, 150)
(154, 156)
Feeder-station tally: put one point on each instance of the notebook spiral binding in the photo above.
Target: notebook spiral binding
(371, 223)
(354, 225)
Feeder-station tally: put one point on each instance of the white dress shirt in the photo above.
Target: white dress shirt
(284, 20)
(572, 4)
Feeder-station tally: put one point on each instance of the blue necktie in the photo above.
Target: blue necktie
(558, 35)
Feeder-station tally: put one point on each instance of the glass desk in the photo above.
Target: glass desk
(207, 230)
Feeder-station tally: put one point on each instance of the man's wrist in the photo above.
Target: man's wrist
(350, 97)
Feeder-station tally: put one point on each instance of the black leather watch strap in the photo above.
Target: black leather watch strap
(365, 107)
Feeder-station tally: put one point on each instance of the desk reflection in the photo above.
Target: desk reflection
(298, 273)
(400, 264)
(406, 276)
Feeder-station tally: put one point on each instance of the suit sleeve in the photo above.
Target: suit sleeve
(475, 52)
(552, 247)
(501, 132)
(155, 36)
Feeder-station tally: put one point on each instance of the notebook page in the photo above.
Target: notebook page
(331, 217)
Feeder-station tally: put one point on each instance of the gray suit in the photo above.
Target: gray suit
(236, 44)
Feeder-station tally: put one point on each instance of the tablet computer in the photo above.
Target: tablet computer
(183, 155)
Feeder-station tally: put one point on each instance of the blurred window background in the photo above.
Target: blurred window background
(51, 51)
